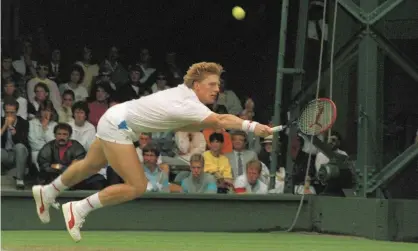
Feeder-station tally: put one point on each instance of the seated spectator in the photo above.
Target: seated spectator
(9, 90)
(8, 71)
(90, 69)
(335, 142)
(171, 67)
(76, 84)
(57, 66)
(279, 184)
(148, 73)
(100, 94)
(160, 83)
(119, 73)
(104, 76)
(190, 143)
(228, 98)
(165, 142)
(83, 131)
(25, 66)
(42, 77)
(250, 181)
(41, 129)
(198, 181)
(58, 154)
(41, 96)
(216, 163)
(144, 139)
(65, 114)
(133, 89)
(14, 140)
(253, 141)
(227, 143)
(157, 178)
(240, 156)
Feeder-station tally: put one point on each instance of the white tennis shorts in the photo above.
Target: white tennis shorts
(112, 126)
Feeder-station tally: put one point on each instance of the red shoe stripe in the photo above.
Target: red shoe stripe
(88, 201)
(71, 222)
(42, 207)
(55, 187)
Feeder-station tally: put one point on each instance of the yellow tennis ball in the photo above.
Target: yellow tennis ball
(238, 13)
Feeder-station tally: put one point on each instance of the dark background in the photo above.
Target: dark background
(198, 30)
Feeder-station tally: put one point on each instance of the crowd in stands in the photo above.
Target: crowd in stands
(50, 110)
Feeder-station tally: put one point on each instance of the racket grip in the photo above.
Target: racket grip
(278, 128)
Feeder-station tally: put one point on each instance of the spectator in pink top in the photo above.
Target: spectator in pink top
(100, 94)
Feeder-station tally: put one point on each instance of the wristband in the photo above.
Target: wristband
(252, 126)
(246, 125)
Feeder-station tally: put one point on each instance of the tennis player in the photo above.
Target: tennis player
(177, 109)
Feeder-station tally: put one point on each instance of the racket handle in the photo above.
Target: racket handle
(278, 128)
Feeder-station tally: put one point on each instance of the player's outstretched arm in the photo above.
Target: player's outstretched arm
(232, 122)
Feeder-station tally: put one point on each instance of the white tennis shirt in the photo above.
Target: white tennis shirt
(165, 110)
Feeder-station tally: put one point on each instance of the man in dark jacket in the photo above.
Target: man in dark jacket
(56, 155)
(14, 141)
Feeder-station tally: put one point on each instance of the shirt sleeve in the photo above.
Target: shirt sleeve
(193, 111)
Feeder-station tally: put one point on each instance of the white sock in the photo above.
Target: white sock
(84, 207)
(53, 189)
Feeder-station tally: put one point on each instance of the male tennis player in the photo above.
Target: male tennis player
(181, 108)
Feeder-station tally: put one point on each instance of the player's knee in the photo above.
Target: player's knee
(139, 187)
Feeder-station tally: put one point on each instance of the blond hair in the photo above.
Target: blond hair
(199, 71)
(255, 164)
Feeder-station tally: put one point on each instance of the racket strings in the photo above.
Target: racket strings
(317, 117)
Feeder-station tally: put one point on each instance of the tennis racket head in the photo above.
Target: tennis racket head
(317, 117)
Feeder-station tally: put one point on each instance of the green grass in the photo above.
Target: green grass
(184, 241)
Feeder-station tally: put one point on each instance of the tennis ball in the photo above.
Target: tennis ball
(238, 13)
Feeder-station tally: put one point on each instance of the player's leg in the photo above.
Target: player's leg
(124, 160)
(45, 195)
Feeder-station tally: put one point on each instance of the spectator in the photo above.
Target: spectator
(253, 141)
(198, 181)
(8, 71)
(119, 73)
(239, 157)
(76, 84)
(56, 66)
(250, 182)
(54, 94)
(133, 89)
(58, 154)
(157, 178)
(190, 143)
(100, 94)
(335, 143)
(228, 98)
(90, 69)
(227, 143)
(83, 131)
(25, 66)
(14, 140)
(144, 140)
(216, 163)
(41, 96)
(174, 73)
(104, 76)
(9, 90)
(41, 129)
(148, 74)
(65, 114)
(160, 84)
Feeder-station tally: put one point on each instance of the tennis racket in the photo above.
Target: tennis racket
(317, 117)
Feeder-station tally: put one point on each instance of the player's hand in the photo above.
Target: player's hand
(263, 130)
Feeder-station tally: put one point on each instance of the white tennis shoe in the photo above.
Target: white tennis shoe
(73, 220)
(43, 204)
